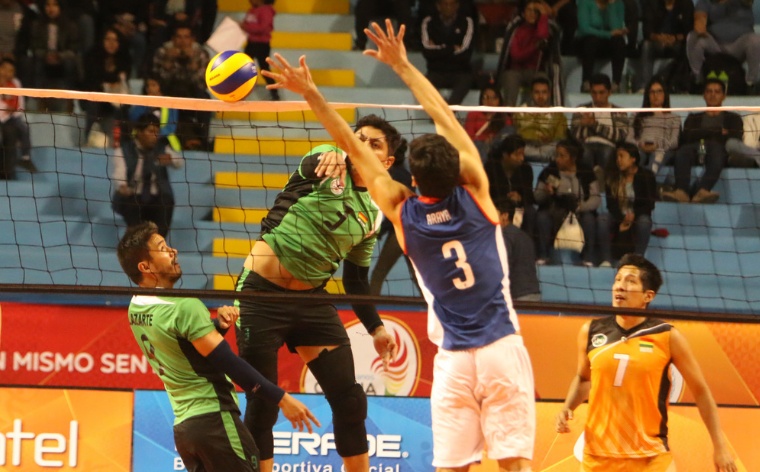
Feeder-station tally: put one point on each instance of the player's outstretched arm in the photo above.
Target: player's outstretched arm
(217, 351)
(579, 387)
(685, 362)
(386, 192)
(391, 51)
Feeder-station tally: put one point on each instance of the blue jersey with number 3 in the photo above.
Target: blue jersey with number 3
(461, 264)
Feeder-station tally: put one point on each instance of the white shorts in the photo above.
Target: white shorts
(483, 398)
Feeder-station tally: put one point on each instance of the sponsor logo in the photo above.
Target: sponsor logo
(403, 372)
(599, 339)
(336, 186)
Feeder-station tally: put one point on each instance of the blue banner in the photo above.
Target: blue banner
(398, 433)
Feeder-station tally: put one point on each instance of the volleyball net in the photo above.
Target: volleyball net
(60, 229)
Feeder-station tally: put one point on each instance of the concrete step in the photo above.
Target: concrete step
(311, 41)
(314, 22)
(339, 7)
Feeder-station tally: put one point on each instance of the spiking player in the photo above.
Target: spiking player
(623, 371)
(483, 393)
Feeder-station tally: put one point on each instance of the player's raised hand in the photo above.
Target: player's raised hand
(390, 46)
(227, 316)
(296, 79)
(295, 411)
(561, 423)
(385, 345)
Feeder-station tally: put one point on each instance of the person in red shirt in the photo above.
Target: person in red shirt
(487, 128)
(259, 23)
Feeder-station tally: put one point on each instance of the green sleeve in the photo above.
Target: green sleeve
(311, 159)
(193, 319)
(361, 254)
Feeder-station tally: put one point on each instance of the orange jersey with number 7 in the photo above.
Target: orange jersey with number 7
(630, 382)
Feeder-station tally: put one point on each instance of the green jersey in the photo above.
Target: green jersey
(165, 328)
(314, 224)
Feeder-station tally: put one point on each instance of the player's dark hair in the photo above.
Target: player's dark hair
(392, 136)
(400, 153)
(434, 163)
(651, 279)
(133, 249)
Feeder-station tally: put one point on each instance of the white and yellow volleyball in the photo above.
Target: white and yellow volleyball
(231, 75)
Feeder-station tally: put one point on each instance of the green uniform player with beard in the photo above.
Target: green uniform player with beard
(187, 350)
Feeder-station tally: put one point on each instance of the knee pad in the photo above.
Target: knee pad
(334, 370)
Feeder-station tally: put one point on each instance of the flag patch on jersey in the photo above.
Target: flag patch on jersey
(363, 219)
(646, 346)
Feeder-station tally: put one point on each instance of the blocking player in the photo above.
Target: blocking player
(188, 352)
(623, 371)
(483, 395)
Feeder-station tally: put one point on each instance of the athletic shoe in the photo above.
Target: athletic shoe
(677, 195)
(705, 196)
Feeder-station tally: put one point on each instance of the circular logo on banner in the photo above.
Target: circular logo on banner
(403, 373)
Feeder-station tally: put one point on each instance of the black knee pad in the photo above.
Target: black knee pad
(334, 370)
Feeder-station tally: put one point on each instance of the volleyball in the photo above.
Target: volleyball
(231, 75)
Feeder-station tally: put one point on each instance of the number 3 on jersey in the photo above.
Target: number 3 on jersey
(454, 249)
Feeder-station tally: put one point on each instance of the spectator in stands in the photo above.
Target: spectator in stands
(486, 128)
(565, 13)
(167, 117)
(655, 133)
(704, 133)
(259, 24)
(165, 17)
(181, 65)
(367, 11)
(55, 46)
(566, 185)
(107, 67)
(391, 251)
(82, 13)
(510, 177)
(521, 256)
(631, 195)
(15, 130)
(130, 19)
(541, 131)
(530, 48)
(209, 10)
(599, 131)
(725, 27)
(141, 179)
(447, 45)
(601, 33)
(11, 15)
(665, 25)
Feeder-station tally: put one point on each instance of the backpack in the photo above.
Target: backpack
(728, 69)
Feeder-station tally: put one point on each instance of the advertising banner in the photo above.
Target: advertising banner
(398, 432)
(400, 438)
(53, 429)
(93, 347)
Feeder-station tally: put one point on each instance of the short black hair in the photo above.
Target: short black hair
(510, 144)
(631, 149)
(540, 79)
(8, 60)
(434, 164)
(507, 206)
(600, 79)
(573, 148)
(400, 154)
(145, 120)
(133, 249)
(713, 80)
(392, 136)
(651, 278)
